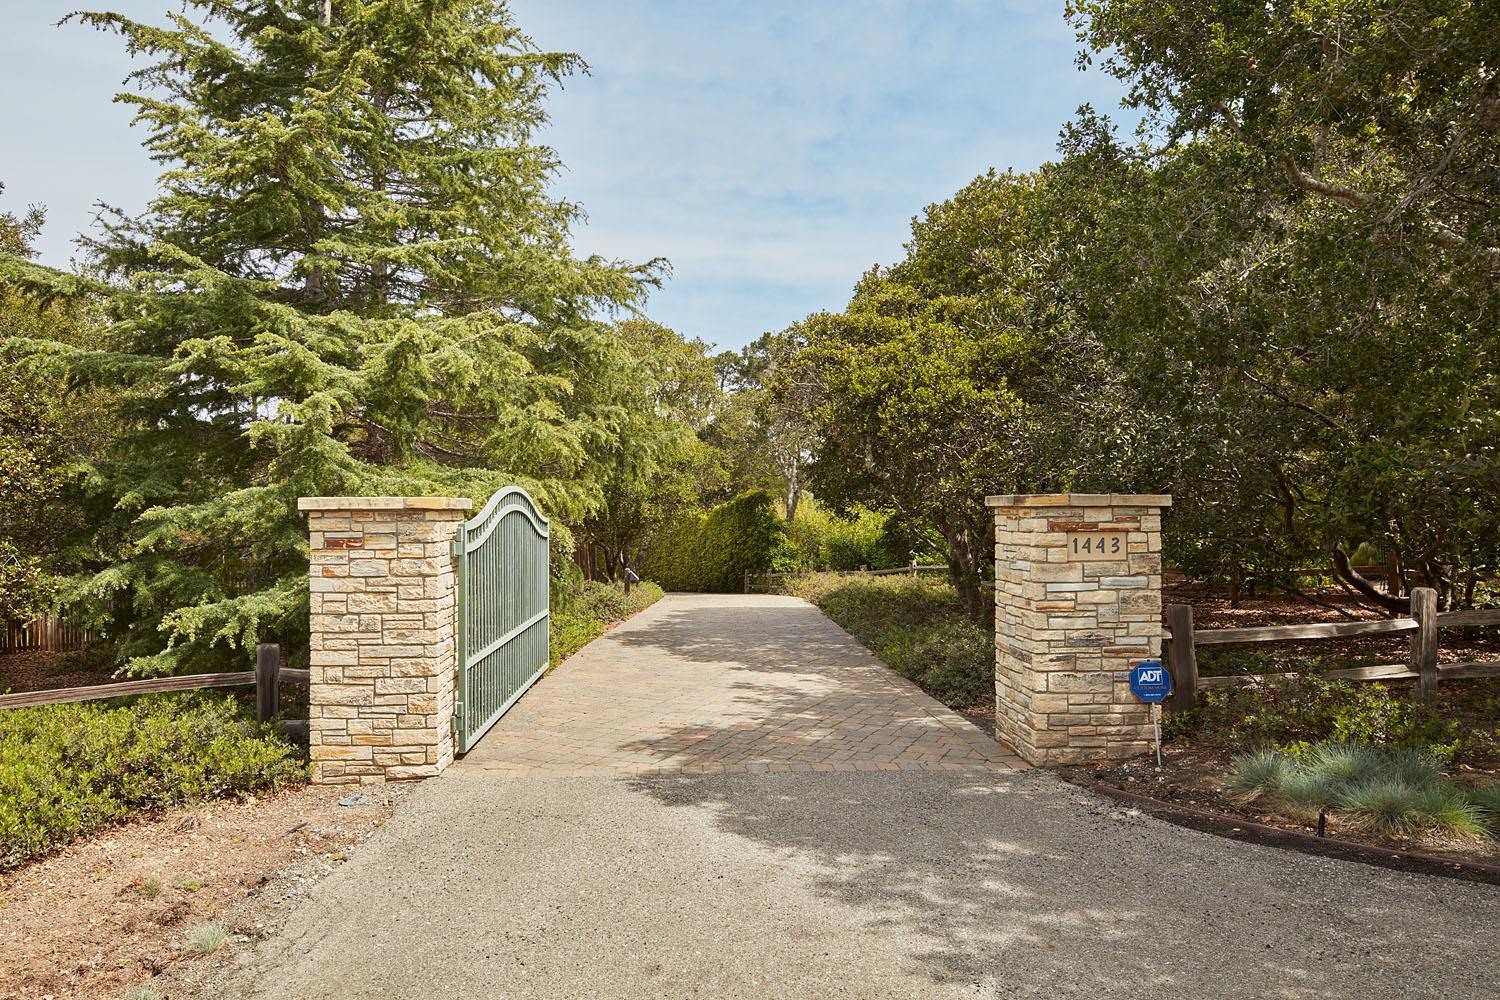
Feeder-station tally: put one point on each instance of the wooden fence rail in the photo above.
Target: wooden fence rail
(1422, 664)
(266, 678)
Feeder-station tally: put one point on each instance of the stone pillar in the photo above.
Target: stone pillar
(383, 657)
(1077, 605)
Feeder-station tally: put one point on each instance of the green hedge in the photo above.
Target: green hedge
(68, 770)
(711, 552)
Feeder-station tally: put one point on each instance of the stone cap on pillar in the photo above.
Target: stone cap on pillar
(384, 503)
(1080, 500)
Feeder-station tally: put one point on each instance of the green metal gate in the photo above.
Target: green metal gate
(503, 625)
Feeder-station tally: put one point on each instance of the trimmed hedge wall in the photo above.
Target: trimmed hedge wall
(710, 552)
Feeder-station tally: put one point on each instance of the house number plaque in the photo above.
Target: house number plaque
(1096, 546)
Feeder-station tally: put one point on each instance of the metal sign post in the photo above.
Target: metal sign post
(1151, 683)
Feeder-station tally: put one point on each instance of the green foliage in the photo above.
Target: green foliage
(711, 552)
(764, 445)
(353, 281)
(38, 421)
(1394, 791)
(591, 608)
(1275, 305)
(1487, 799)
(827, 540)
(916, 626)
(911, 404)
(656, 470)
(1310, 709)
(67, 770)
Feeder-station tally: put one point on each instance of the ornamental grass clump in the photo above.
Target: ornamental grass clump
(205, 939)
(1258, 773)
(1392, 791)
(1486, 799)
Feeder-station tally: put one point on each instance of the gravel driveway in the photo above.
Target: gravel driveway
(639, 870)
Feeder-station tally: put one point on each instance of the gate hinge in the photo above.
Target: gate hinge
(455, 723)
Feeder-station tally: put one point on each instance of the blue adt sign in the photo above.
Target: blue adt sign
(1150, 682)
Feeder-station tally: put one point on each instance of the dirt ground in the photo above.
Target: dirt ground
(43, 671)
(112, 911)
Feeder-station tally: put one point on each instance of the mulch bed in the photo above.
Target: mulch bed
(112, 910)
(1191, 777)
(42, 671)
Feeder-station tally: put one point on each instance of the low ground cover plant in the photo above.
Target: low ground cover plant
(915, 625)
(1281, 712)
(585, 611)
(68, 770)
(1395, 791)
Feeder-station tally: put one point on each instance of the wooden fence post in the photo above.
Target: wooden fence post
(1424, 641)
(267, 692)
(1184, 658)
(768, 583)
(913, 567)
(747, 581)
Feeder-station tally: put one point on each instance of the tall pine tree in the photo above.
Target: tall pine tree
(354, 281)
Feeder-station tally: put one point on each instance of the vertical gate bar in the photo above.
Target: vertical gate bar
(461, 639)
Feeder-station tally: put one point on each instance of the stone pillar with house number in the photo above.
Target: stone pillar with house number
(1077, 607)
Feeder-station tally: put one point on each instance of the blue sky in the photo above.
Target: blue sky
(772, 151)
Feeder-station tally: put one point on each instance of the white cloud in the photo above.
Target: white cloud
(772, 150)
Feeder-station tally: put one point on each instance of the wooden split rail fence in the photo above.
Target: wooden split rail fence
(767, 583)
(267, 677)
(1422, 664)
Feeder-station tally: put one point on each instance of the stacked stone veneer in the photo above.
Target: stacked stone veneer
(1068, 632)
(383, 636)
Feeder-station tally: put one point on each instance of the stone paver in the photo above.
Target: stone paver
(728, 683)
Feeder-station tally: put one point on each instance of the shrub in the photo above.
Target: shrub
(1486, 799)
(825, 540)
(1385, 803)
(711, 552)
(68, 770)
(1310, 709)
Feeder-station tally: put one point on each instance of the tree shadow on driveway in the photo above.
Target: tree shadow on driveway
(1023, 885)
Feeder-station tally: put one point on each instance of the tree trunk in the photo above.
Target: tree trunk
(963, 571)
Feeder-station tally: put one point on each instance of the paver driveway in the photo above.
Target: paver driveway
(537, 870)
(728, 683)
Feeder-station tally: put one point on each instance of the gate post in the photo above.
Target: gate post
(381, 582)
(1077, 605)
